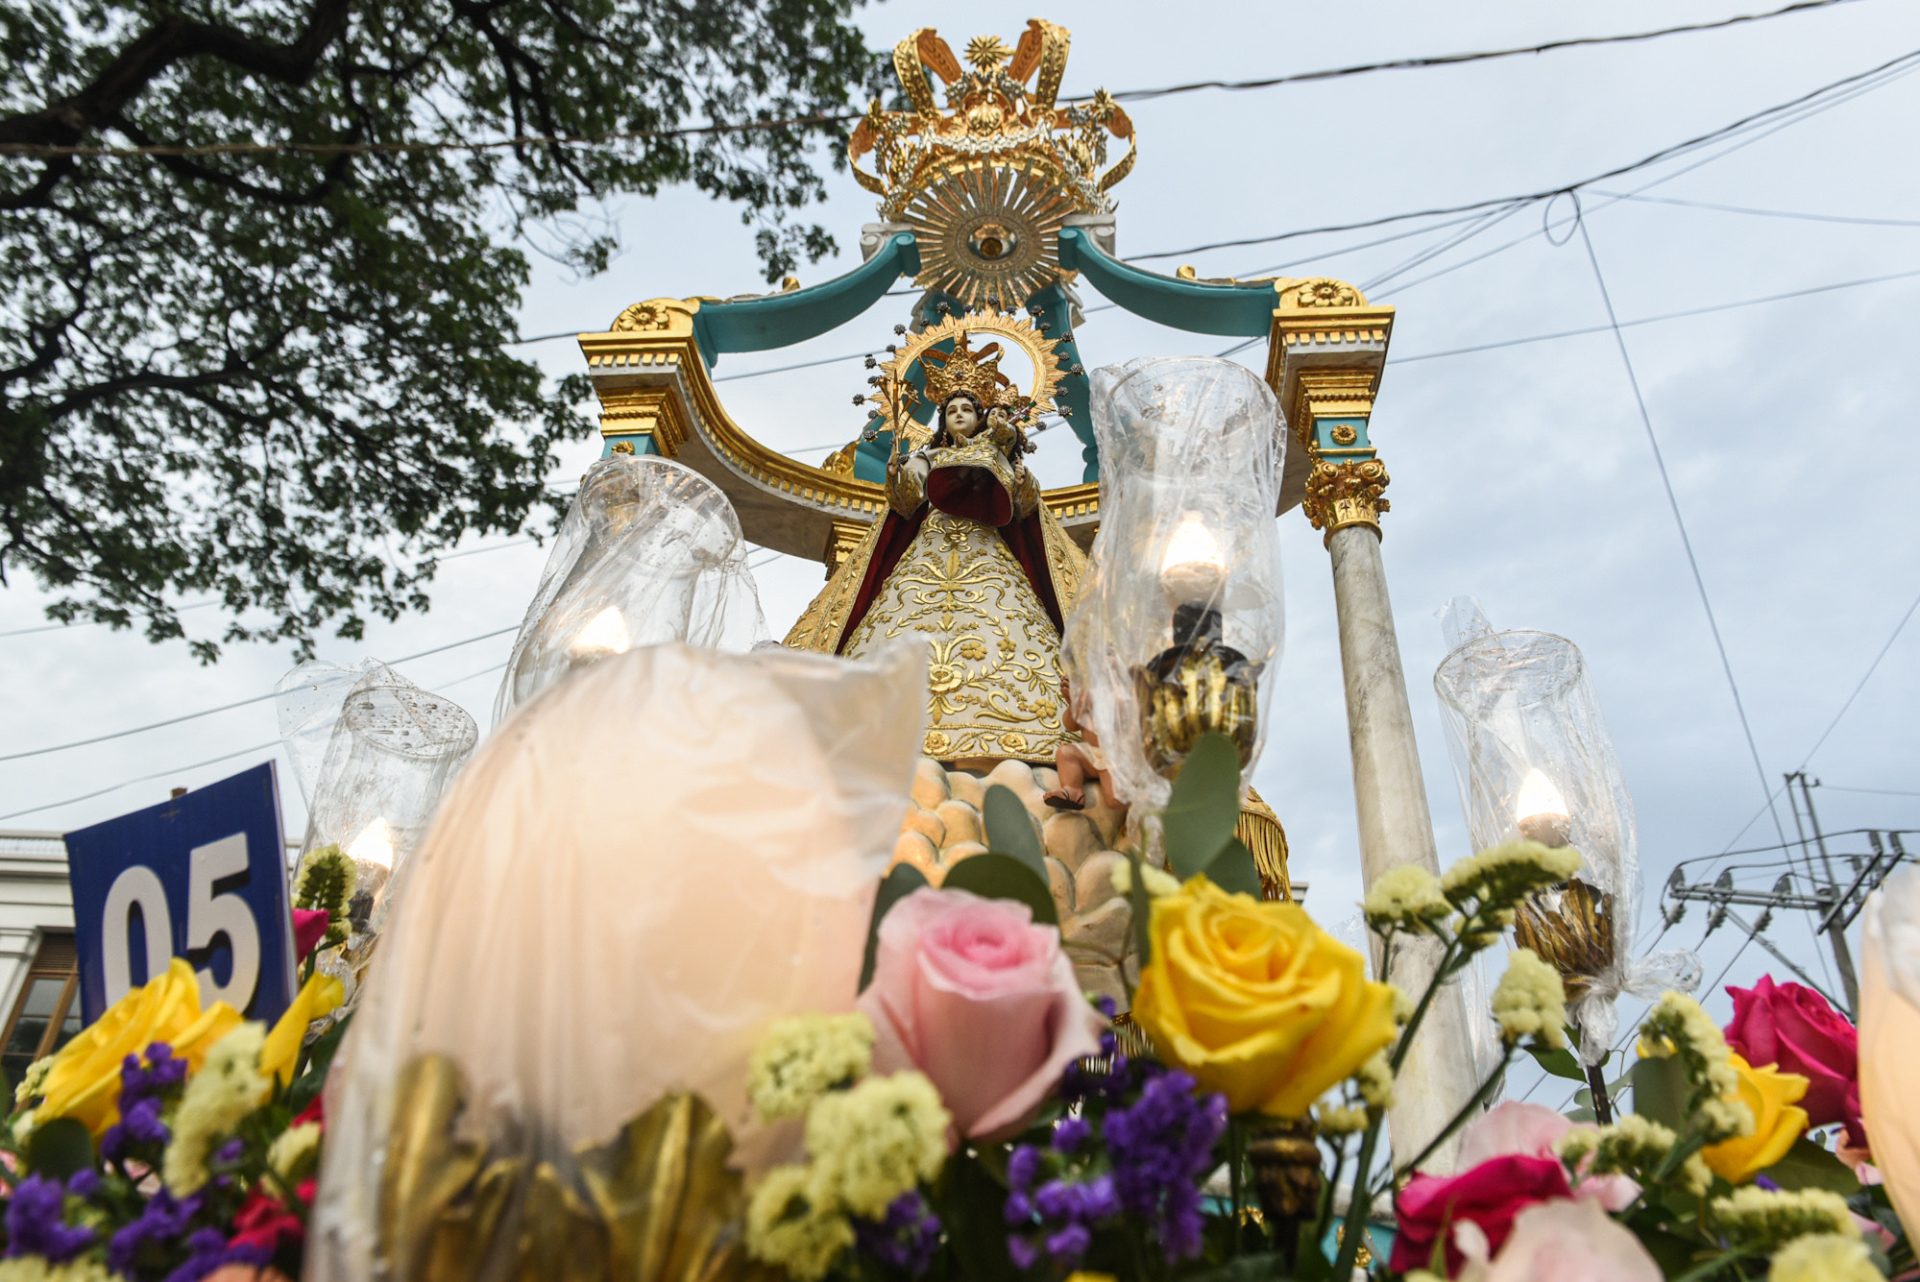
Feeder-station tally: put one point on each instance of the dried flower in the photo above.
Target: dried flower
(1405, 898)
(217, 1099)
(1823, 1257)
(1500, 877)
(1768, 1218)
(787, 1226)
(876, 1141)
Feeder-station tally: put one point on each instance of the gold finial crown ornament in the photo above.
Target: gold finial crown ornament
(987, 183)
(949, 362)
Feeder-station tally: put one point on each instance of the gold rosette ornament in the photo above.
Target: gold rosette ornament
(1256, 1001)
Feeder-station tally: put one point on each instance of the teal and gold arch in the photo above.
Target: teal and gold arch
(996, 203)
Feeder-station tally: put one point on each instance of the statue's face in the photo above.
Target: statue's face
(962, 419)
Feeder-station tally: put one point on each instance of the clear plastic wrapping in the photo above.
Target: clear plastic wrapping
(647, 864)
(392, 750)
(651, 551)
(1187, 559)
(1533, 759)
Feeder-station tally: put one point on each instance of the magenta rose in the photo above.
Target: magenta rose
(983, 1001)
(1488, 1196)
(1794, 1028)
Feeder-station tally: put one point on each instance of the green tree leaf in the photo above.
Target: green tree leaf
(993, 876)
(1205, 805)
(59, 1148)
(901, 880)
(1010, 829)
(285, 380)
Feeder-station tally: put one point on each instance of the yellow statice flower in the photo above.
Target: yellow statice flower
(1406, 897)
(1501, 876)
(876, 1141)
(1256, 1001)
(802, 1058)
(34, 1268)
(281, 1051)
(788, 1228)
(1678, 1027)
(217, 1099)
(1336, 1119)
(1769, 1218)
(1823, 1257)
(1530, 1002)
(83, 1080)
(1771, 1097)
(294, 1152)
(1374, 1081)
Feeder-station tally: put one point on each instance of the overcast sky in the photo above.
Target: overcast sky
(1521, 475)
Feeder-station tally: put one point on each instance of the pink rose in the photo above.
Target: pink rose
(1533, 1130)
(1487, 1196)
(1562, 1241)
(309, 928)
(1793, 1027)
(984, 1002)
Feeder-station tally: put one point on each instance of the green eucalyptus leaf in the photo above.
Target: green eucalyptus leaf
(1234, 871)
(59, 1148)
(1808, 1166)
(1559, 1062)
(901, 880)
(995, 876)
(1200, 815)
(1010, 829)
(1660, 1091)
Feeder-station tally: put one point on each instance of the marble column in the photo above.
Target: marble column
(1395, 828)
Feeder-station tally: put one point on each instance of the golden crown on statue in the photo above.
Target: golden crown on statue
(987, 183)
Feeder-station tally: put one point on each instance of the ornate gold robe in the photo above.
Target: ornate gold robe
(994, 677)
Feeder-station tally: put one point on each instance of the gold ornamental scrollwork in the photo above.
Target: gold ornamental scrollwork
(1343, 494)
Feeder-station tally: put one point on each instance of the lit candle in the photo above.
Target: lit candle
(1541, 812)
(373, 845)
(604, 636)
(1193, 568)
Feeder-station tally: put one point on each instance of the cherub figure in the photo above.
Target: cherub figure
(1076, 761)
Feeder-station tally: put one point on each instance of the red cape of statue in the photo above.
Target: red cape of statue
(970, 493)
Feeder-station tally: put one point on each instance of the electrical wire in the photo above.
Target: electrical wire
(1673, 504)
(1800, 215)
(39, 150)
(227, 707)
(89, 623)
(1878, 792)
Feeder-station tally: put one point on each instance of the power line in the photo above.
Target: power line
(1665, 153)
(1682, 314)
(1878, 792)
(227, 707)
(1800, 215)
(88, 623)
(1898, 628)
(1673, 504)
(1456, 59)
(43, 151)
(170, 772)
(1866, 85)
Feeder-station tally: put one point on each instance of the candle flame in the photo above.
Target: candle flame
(1193, 566)
(373, 845)
(1539, 798)
(605, 634)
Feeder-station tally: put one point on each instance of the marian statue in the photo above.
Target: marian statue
(968, 557)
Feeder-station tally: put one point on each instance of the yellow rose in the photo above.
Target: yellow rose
(83, 1082)
(1778, 1121)
(1256, 1001)
(281, 1051)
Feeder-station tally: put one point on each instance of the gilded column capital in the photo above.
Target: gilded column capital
(1340, 494)
(842, 538)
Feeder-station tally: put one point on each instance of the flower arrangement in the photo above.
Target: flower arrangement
(169, 1142)
(972, 1115)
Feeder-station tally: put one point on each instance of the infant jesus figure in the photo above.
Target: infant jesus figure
(1076, 762)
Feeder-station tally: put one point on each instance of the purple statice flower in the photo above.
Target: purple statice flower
(36, 1223)
(1022, 1165)
(139, 1127)
(1069, 1133)
(1161, 1147)
(905, 1240)
(162, 1221)
(207, 1250)
(231, 1152)
(83, 1183)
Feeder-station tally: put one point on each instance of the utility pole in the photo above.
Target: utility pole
(1836, 932)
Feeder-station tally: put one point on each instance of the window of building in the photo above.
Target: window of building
(47, 1011)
